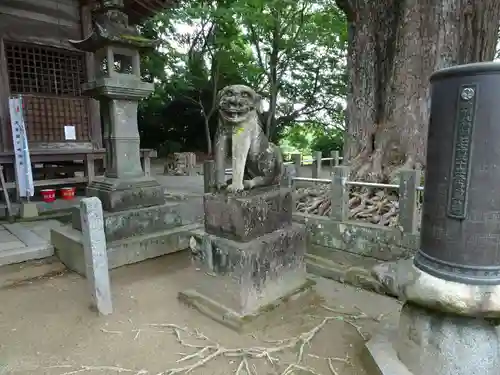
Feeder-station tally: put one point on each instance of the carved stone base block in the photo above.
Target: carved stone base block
(238, 281)
(247, 216)
(430, 342)
(68, 246)
(133, 235)
(139, 221)
(119, 195)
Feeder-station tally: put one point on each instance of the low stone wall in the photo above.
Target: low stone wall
(358, 238)
(349, 251)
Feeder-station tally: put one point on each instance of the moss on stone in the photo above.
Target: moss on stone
(137, 39)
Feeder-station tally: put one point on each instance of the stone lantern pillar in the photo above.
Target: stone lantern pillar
(118, 87)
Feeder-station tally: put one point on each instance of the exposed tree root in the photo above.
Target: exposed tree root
(210, 350)
(376, 206)
(94, 369)
(205, 350)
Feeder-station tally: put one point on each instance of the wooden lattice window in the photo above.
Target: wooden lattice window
(44, 70)
(50, 80)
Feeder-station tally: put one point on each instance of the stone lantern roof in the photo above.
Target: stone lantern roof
(139, 10)
(111, 27)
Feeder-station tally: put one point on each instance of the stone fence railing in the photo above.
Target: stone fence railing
(336, 237)
(408, 188)
(297, 161)
(317, 162)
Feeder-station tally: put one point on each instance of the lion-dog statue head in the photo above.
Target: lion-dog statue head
(237, 104)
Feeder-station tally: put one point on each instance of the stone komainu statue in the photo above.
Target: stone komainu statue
(256, 162)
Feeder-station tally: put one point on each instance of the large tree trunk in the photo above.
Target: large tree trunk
(394, 47)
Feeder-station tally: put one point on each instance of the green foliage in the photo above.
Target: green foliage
(313, 136)
(291, 52)
(328, 141)
(299, 138)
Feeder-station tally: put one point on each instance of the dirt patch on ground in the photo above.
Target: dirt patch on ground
(46, 327)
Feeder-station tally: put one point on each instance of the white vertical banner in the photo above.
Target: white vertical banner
(24, 174)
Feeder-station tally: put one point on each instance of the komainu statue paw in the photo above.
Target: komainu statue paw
(233, 188)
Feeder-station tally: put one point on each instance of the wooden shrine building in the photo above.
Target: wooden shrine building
(38, 62)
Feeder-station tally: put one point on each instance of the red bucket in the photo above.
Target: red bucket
(48, 195)
(68, 193)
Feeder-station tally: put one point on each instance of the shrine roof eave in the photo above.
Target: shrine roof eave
(139, 10)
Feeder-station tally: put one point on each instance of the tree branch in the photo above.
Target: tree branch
(306, 109)
(348, 7)
(198, 36)
(287, 51)
(256, 42)
(295, 114)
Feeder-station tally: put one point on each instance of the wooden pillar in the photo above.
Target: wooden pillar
(94, 110)
(5, 142)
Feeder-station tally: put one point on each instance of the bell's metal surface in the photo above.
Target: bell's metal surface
(460, 231)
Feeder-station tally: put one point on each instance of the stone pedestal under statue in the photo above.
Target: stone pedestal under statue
(250, 256)
(449, 323)
(139, 222)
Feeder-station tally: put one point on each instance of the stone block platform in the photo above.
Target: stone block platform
(133, 235)
(22, 242)
(246, 267)
(68, 246)
(136, 222)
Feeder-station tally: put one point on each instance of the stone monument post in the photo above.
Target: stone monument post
(448, 325)
(118, 87)
(96, 257)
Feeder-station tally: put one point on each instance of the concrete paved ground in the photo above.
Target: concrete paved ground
(20, 242)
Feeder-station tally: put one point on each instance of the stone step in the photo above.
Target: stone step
(67, 242)
(354, 273)
(24, 245)
(137, 222)
(25, 253)
(342, 258)
(28, 237)
(325, 268)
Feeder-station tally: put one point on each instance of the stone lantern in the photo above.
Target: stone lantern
(118, 86)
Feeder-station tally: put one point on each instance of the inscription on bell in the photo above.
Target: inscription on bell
(460, 170)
